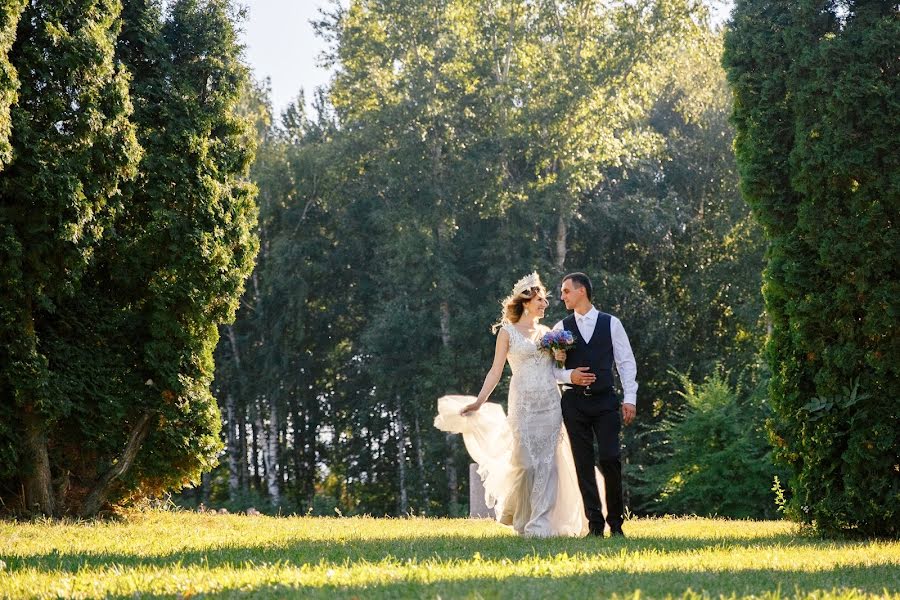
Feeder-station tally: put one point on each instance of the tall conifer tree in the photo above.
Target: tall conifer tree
(816, 86)
(118, 272)
(73, 145)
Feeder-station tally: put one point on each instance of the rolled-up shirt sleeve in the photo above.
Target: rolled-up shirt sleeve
(562, 375)
(625, 363)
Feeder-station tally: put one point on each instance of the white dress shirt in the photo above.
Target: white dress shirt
(624, 357)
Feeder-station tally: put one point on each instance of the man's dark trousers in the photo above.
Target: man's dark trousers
(590, 418)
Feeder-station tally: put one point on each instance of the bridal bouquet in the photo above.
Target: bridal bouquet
(558, 339)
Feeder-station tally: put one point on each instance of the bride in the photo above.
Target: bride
(524, 460)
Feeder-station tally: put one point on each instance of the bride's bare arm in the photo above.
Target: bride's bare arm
(493, 376)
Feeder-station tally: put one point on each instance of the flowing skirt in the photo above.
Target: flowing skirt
(536, 495)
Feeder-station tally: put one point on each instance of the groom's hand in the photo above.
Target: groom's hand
(628, 413)
(583, 376)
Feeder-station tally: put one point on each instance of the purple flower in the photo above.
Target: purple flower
(557, 339)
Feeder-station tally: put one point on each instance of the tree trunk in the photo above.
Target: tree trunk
(97, 497)
(38, 482)
(235, 436)
(443, 238)
(562, 233)
(203, 488)
(311, 420)
(243, 467)
(256, 435)
(270, 454)
(61, 487)
(401, 458)
(420, 460)
(452, 477)
(296, 442)
(282, 462)
(232, 449)
(296, 445)
(299, 449)
(445, 324)
(449, 461)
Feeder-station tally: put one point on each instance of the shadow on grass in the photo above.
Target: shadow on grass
(603, 584)
(419, 548)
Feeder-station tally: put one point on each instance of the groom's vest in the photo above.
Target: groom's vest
(596, 354)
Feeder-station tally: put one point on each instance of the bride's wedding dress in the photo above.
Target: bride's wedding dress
(524, 460)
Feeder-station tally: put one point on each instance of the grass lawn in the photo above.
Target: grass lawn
(210, 556)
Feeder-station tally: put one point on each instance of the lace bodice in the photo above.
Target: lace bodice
(533, 382)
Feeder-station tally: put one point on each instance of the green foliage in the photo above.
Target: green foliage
(73, 145)
(10, 10)
(815, 104)
(123, 269)
(456, 149)
(191, 240)
(73, 141)
(715, 457)
(819, 407)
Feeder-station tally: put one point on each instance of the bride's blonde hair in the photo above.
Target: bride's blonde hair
(514, 305)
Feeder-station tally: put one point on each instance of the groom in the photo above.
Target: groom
(590, 407)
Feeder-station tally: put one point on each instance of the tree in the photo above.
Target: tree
(593, 83)
(680, 253)
(286, 325)
(187, 243)
(9, 86)
(111, 374)
(815, 86)
(73, 145)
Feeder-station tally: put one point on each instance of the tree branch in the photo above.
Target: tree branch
(97, 497)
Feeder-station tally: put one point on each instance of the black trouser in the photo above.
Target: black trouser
(599, 418)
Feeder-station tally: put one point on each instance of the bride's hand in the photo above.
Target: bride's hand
(560, 355)
(466, 411)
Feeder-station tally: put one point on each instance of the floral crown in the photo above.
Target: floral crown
(526, 283)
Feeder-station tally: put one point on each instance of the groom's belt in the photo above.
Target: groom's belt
(587, 390)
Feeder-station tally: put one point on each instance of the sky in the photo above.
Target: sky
(281, 45)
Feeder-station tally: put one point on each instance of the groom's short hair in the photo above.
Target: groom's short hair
(581, 280)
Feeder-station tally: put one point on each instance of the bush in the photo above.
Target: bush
(713, 457)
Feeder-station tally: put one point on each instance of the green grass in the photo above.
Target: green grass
(197, 555)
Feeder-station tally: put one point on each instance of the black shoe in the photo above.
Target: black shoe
(596, 533)
(617, 533)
